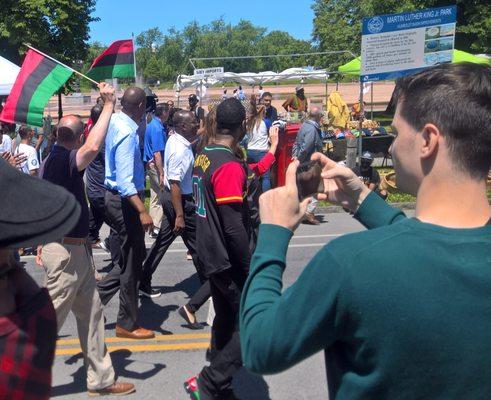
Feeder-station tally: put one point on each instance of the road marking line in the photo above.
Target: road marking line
(317, 236)
(183, 250)
(158, 338)
(307, 245)
(142, 348)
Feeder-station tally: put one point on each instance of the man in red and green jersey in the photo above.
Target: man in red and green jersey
(219, 184)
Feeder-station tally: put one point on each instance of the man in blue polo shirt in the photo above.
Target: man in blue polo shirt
(153, 156)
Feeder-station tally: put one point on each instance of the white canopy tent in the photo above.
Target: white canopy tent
(8, 75)
(250, 78)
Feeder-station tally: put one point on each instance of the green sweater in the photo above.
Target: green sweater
(402, 310)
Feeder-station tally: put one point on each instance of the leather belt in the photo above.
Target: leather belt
(74, 241)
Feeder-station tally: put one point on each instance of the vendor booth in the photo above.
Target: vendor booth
(338, 124)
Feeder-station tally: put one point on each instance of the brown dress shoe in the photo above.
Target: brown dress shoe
(117, 389)
(310, 219)
(138, 333)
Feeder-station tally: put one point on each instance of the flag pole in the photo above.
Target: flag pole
(64, 65)
(134, 53)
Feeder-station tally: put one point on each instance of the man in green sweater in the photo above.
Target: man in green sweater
(402, 310)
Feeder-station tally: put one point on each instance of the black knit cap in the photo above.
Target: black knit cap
(21, 225)
(230, 114)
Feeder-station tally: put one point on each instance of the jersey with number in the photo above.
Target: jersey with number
(218, 178)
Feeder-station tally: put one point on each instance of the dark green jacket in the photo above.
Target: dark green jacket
(402, 310)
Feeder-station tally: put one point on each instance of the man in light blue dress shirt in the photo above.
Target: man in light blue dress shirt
(125, 182)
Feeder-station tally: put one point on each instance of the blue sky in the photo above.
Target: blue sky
(119, 18)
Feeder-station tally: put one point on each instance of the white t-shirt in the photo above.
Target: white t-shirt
(32, 162)
(259, 139)
(6, 144)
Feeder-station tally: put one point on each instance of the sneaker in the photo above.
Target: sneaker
(150, 293)
(191, 386)
(189, 257)
(154, 233)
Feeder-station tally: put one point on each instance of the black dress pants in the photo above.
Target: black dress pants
(97, 216)
(125, 276)
(226, 288)
(166, 237)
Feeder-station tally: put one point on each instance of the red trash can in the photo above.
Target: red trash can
(284, 153)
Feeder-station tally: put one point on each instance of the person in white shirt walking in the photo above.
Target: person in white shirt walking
(31, 166)
(179, 211)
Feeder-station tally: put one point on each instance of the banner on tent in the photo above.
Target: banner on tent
(204, 72)
(399, 44)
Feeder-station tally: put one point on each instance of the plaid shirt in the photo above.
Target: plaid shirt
(27, 347)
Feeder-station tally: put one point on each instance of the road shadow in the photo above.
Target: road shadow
(151, 316)
(121, 361)
(250, 386)
(106, 268)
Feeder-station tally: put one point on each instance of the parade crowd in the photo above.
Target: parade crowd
(402, 310)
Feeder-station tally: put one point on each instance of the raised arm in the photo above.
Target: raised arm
(90, 149)
(277, 329)
(268, 160)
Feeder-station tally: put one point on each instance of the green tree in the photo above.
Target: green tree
(173, 50)
(58, 27)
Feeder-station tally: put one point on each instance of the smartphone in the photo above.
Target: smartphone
(309, 180)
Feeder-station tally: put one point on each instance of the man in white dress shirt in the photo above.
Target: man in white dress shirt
(178, 205)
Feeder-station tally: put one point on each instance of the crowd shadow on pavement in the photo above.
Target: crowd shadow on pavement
(250, 386)
(189, 286)
(151, 316)
(121, 361)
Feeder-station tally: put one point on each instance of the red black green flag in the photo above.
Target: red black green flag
(117, 61)
(39, 78)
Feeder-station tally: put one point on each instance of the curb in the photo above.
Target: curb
(405, 206)
(338, 209)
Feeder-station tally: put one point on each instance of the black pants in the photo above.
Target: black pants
(125, 276)
(226, 288)
(97, 216)
(165, 238)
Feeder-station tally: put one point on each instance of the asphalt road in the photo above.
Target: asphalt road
(159, 367)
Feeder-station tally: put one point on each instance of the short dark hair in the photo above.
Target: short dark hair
(457, 99)
(95, 113)
(24, 131)
(170, 120)
(230, 114)
(266, 94)
(161, 109)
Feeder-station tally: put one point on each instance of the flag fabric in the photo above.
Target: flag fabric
(117, 61)
(39, 78)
